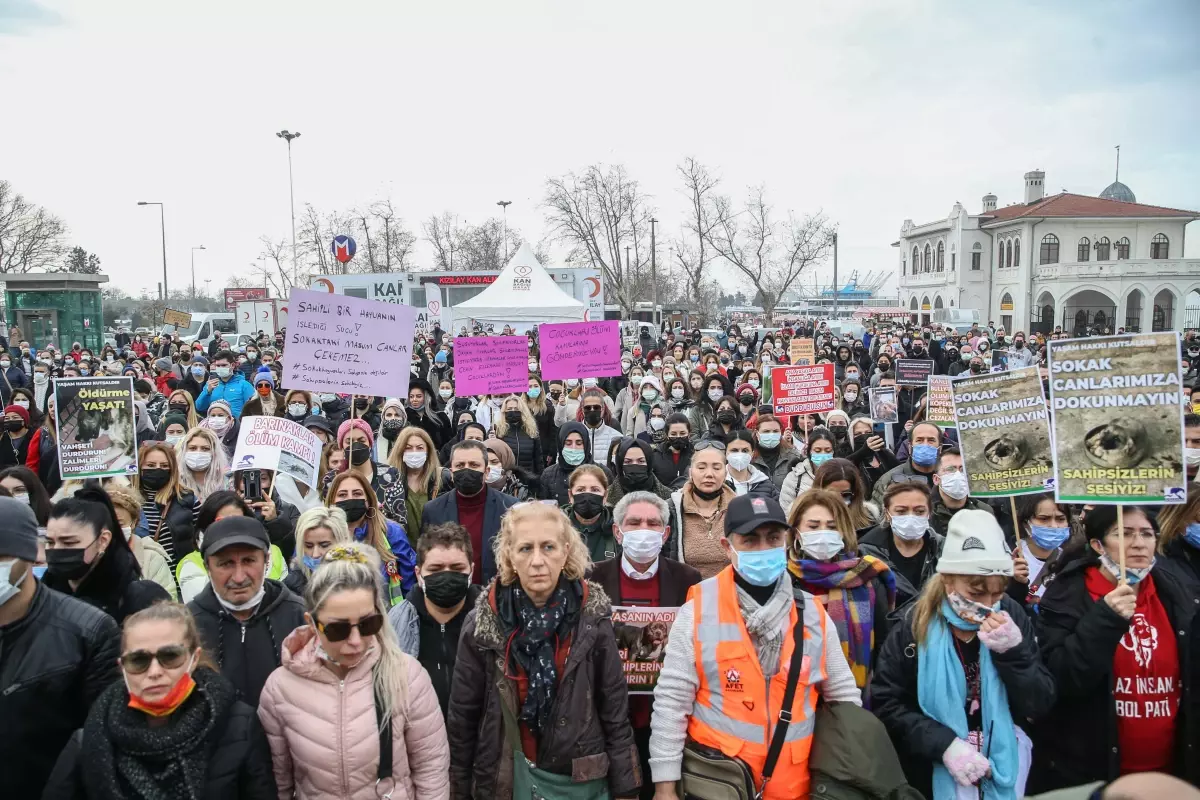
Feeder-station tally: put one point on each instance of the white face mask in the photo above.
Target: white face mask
(641, 546)
(297, 409)
(572, 383)
(821, 545)
(716, 394)
(218, 424)
(954, 485)
(197, 460)
(677, 392)
(1192, 455)
(657, 423)
(739, 461)
(249, 604)
(8, 589)
(494, 474)
(415, 459)
(909, 527)
(128, 531)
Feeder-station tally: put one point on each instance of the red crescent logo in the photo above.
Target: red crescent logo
(595, 286)
(586, 313)
(325, 284)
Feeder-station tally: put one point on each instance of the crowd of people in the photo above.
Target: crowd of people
(434, 618)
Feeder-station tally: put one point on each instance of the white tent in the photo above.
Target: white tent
(523, 294)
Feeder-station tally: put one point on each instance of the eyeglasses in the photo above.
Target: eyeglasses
(704, 444)
(340, 631)
(168, 657)
(592, 408)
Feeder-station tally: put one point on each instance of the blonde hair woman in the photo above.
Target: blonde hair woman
(204, 467)
(317, 531)
(180, 401)
(420, 470)
(516, 427)
(127, 503)
(352, 493)
(537, 621)
(349, 715)
(173, 726)
(170, 508)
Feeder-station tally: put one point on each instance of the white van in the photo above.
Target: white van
(207, 325)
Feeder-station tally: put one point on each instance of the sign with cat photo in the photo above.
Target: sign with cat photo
(642, 633)
(97, 427)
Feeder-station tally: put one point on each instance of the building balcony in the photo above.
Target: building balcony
(1125, 268)
(927, 279)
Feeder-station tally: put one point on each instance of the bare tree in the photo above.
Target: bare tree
(463, 246)
(599, 214)
(31, 238)
(770, 253)
(396, 250)
(274, 268)
(692, 253)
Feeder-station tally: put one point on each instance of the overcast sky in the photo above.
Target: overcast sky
(872, 111)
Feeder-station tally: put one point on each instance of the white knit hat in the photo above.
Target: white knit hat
(975, 545)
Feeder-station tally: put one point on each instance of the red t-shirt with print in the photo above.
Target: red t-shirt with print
(1145, 680)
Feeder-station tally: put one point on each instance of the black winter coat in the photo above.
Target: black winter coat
(54, 662)
(527, 450)
(248, 652)
(671, 473)
(180, 523)
(239, 757)
(591, 737)
(1079, 637)
(114, 585)
(921, 740)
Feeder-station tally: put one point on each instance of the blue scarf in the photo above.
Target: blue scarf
(942, 693)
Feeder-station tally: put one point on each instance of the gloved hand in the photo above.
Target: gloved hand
(966, 764)
(999, 633)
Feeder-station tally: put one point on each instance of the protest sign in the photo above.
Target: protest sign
(1004, 433)
(1118, 419)
(347, 345)
(491, 365)
(913, 371)
(180, 319)
(802, 390)
(883, 404)
(802, 352)
(580, 349)
(278, 444)
(642, 633)
(940, 396)
(96, 427)
(999, 360)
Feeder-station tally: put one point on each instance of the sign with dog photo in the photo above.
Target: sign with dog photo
(97, 433)
(642, 633)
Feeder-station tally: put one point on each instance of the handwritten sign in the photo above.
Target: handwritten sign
(802, 390)
(580, 349)
(180, 319)
(913, 371)
(278, 444)
(801, 352)
(642, 634)
(491, 365)
(347, 345)
(941, 401)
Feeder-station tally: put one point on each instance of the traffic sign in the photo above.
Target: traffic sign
(343, 248)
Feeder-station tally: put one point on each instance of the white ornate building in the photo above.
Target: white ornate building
(1067, 259)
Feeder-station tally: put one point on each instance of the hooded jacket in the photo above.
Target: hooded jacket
(323, 736)
(237, 391)
(757, 485)
(555, 476)
(778, 464)
(114, 585)
(432, 643)
(877, 543)
(670, 472)
(247, 652)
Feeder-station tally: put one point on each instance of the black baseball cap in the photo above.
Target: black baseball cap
(746, 513)
(235, 530)
(320, 423)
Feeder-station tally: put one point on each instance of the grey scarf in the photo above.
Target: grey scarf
(767, 625)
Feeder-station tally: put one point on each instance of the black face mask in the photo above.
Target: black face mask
(391, 428)
(512, 417)
(635, 475)
(355, 509)
(681, 445)
(333, 404)
(446, 589)
(67, 564)
(839, 431)
(587, 505)
(180, 408)
(703, 495)
(726, 417)
(359, 454)
(361, 403)
(592, 418)
(977, 368)
(468, 482)
(14, 425)
(155, 479)
(1019, 344)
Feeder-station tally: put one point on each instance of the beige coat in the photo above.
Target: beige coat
(152, 558)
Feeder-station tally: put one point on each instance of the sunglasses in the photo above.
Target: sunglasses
(340, 631)
(169, 657)
(704, 444)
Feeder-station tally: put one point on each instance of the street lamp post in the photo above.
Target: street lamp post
(162, 219)
(194, 249)
(654, 274)
(504, 204)
(835, 281)
(285, 134)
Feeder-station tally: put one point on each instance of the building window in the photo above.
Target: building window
(1160, 246)
(976, 255)
(953, 258)
(1123, 248)
(1008, 253)
(1085, 249)
(1103, 246)
(941, 257)
(928, 266)
(904, 266)
(1049, 253)
(916, 261)
(1017, 253)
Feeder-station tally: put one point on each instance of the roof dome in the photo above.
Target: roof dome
(1118, 191)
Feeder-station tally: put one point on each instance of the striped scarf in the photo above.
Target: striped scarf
(849, 598)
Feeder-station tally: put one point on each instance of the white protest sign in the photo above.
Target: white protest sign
(278, 444)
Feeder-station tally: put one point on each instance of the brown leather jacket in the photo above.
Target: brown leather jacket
(591, 738)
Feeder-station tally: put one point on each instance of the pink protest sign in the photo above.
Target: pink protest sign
(491, 365)
(580, 349)
(347, 345)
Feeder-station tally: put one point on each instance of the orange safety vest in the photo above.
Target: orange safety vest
(736, 708)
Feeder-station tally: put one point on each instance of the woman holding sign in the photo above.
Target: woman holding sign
(353, 494)
(1119, 650)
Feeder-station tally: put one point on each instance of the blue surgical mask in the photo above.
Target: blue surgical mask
(312, 562)
(39, 572)
(534, 392)
(573, 457)
(1192, 534)
(925, 454)
(818, 459)
(1132, 576)
(1051, 538)
(769, 440)
(761, 567)
(197, 372)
